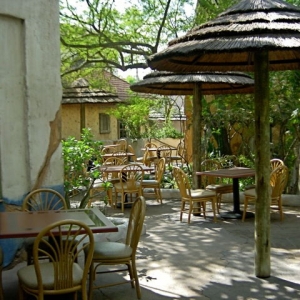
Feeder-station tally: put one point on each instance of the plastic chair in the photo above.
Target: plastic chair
(156, 182)
(130, 183)
(192, 197)
(62, 274)
(41, 200)
(114, 253)
(1, 268)
(213, 183)
(278, 182)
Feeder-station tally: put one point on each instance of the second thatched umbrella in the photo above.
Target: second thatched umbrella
(197, 84)
(253, 35)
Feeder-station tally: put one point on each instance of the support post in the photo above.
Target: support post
(197, 134)
(262, 165)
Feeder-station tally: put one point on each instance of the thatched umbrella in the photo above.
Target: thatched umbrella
(212, 83)
(197, 84)
(254, 35)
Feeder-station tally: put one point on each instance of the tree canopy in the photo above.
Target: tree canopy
(114, 36)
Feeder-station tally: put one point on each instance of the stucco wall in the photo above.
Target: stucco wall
(30, 96)
(71, 121)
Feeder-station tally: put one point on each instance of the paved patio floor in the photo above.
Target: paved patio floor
(204, 260)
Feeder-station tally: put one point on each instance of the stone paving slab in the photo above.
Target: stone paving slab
(204, 260)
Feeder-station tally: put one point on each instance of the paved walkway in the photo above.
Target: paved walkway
(205, 260)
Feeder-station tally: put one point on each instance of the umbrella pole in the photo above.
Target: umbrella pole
(197, 134)
(262, 165)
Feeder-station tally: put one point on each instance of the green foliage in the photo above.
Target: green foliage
(114, 36)
(78, 155)
(209, 9)
(135, 116)
(168, 131)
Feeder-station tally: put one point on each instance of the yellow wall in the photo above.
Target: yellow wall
(71, 121)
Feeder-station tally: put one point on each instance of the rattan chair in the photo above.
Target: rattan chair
(275, 163)
(41, 200)
(130, 183)
(165, 152)
(100, 186)
(152, 154)
(115, 253)
(1, 268)
(213, 183)
(156, 182)
(62, 274)
(191, 197)
(132, 158)
(180, 157)
(122, 145)
(146, 159)
(278, 182)
(44, 199)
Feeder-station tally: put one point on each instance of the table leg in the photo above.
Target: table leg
(236, 196)
(236, 213)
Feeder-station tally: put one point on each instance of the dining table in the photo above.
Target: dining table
(119, 154)
(20, 224)
(118, 168)
(235, 173)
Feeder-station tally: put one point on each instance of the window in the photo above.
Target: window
(122, 130)
(104, 123)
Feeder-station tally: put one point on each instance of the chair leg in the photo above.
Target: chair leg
(280, 209)
(131, 275)
(191, 209)
(123, 197)
(213, 204)
(91, 281)
(136, 279)
(204, 209)
(110, 197)
(182, 209)
(1, 286)
(158, 195)
(245, 209)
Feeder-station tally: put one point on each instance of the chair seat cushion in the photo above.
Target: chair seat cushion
(28, 277)
(118, 186)
(202, 193)
(221, 187)
(176, 157)
(149, 182)
(250, 193)
(111, 250)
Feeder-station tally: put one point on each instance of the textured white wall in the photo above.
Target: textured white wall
(30, 97)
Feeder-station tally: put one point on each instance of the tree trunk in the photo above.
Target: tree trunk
(262, 166)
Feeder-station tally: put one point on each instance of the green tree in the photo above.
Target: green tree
(100, 32)
(79, 156)
(135, 115)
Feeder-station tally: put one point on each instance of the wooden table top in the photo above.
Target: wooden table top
(118, 168)
(236, 172)
(28, 224)
(125, 154)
